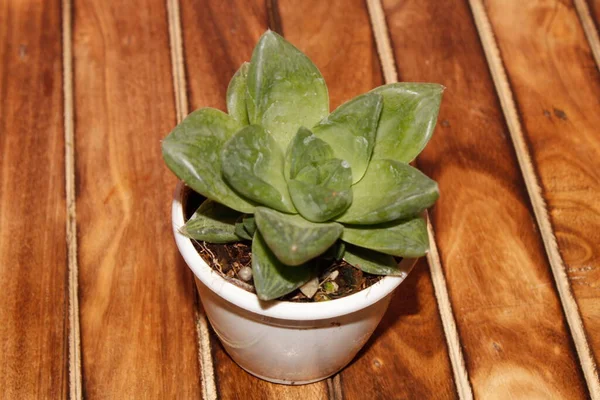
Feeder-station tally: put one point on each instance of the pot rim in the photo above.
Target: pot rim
(276, 309)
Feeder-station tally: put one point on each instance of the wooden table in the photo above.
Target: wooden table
(95, 300)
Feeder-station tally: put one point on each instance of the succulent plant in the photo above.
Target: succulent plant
(280, 170)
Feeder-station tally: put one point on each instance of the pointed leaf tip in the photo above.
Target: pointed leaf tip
(236, 95)
(273, 279)
(375, 263)
(293, 239)
(192, 149)
(389, 191)
(407, 120)
(285, 89)
(399, 238)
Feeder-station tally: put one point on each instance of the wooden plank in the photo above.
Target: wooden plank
(560, 124)
(590, 22)
(507, 310)
(137, 296)
(236, 28)
(407, 356)
(33, 303)
(594, 6)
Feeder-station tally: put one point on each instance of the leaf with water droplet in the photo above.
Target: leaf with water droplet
(293, 239)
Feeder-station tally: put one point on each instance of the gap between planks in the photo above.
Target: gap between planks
(207, 376)
(534, 190)
(461, 377)
(591, 32)
(75, 378)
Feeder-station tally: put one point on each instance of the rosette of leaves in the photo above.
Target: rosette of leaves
(298, 181)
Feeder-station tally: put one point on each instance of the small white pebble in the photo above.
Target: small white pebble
(245, 274)
(333, 275)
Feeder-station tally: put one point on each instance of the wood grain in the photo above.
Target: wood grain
(590, 27)
(594, 6)
(218, 37)
(561, 127)
(407, 356)
(33, 302)
(137, 295)
(509, 317)
(74, 336)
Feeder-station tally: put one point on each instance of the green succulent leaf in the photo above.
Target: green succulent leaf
(192, 150)
(213, 223)
(305, 149)
(322, 191)
(285, 89)
(294, 240)
(340, 250)
(240, 230)
(408, 119)
(373, 262)
(252, 164)
(398, 238)
(273, 279)
(390, 190)
(249, 224)
(351, 129)
(236, 95)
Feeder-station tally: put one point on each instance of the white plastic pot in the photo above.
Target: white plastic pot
(285, 342)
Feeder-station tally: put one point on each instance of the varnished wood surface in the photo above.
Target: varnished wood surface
(561, 126)
(135, 74)
(33, 305)
(407, 357)
(594, 6)
(137, 296)
(507, 309)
